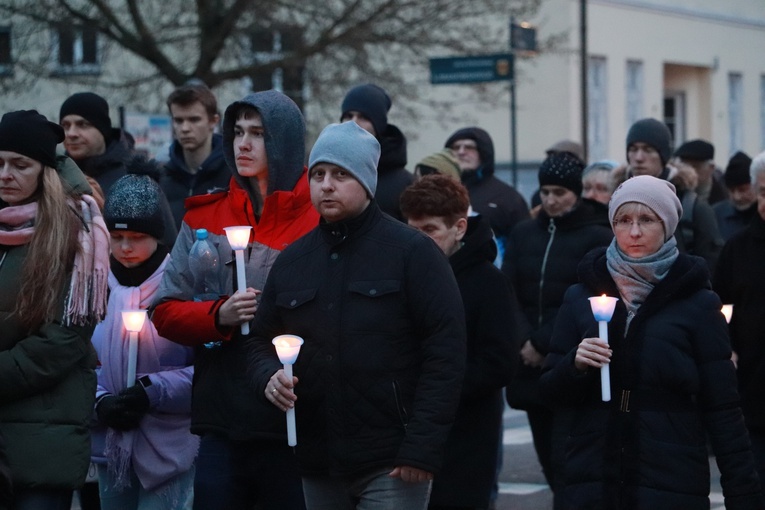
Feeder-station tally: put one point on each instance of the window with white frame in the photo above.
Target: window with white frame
(735, 112)
(76, 51)
(634, 91)
(597, 114)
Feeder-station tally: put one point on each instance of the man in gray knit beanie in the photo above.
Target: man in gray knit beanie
(376, 301)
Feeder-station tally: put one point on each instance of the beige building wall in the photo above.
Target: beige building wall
(687, 48)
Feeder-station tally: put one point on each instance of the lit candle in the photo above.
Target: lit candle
(287, 348)
(133, 321)
(238, 238)
(727, 311)
(603, 309)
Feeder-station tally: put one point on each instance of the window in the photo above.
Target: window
(76, 51)
(674, 115)
(597, 99)
(634, 92)
(735, 112)
(270, 45)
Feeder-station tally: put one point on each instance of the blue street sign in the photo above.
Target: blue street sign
(474, 69)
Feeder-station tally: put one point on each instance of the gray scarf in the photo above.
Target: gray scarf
(636, 278)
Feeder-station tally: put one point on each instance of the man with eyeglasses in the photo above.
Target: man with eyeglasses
(648, 152)
(500, 203)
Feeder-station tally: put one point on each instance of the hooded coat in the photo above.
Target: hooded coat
(672, 385)
(500, 203)
(471, 451)
(47, 381)
(392, 175)
(222, 401)
(179, 183)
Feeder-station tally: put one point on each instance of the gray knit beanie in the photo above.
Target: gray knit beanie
(657, 194)
(654, 133)
(134, 203)
(350, 147)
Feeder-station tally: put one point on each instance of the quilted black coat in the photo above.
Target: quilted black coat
(382, 365)
(672, 385)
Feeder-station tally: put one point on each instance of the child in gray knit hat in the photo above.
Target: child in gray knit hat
(143, 417)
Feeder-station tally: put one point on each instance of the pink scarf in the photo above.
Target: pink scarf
(86, 301)
(17, 224)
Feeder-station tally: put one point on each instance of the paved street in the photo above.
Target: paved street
(522, 485)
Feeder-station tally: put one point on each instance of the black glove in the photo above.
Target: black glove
(135, 400)
(111, 412)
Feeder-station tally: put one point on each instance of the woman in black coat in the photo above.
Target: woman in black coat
(438, 205)
(541, 258)
(671, 378)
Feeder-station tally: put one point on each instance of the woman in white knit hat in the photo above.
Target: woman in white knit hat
(671, 378)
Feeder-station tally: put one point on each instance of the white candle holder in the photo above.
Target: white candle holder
(727, 311)
(238, 238)
(133, 321)
(603, 309)
(287, 348)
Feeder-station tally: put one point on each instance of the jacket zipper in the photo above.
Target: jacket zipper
(399, 405)
(551, 229)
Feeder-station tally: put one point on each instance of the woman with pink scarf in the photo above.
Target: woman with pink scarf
(143, 447)
(53, 268)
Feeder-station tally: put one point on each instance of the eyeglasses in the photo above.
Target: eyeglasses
(456, 147)
(643, 223)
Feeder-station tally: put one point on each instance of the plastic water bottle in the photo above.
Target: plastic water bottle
(204, 265)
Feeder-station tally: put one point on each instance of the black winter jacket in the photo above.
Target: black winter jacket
(491, 317)
(672, 383)
(384, 354)
(541, 260)
(179, 183)
(740, 280)
(392, 175)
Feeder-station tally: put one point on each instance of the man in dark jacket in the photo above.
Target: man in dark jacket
(368, 106)
(196, 165)
(498, 202)
(740, 281)
(736, 212)
(648, 151)
(378, 378)
(700, 155)
(101, 151)
(437, 205)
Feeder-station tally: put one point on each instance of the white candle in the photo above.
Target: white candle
(133, 321)
(238, 238)
(727, 311)
(603, 309)
(288, 348)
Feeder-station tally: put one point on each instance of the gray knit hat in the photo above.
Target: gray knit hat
(134, 202)
(657, 194)
(350, 147)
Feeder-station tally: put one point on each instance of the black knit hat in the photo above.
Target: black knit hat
(31, 135)
(372, 102)
(134, 202)
(654, 133)
(696, 150)
(737, 171)
(562, 169)
(90, 107)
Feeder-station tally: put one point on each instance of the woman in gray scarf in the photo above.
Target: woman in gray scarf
(671, 378)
